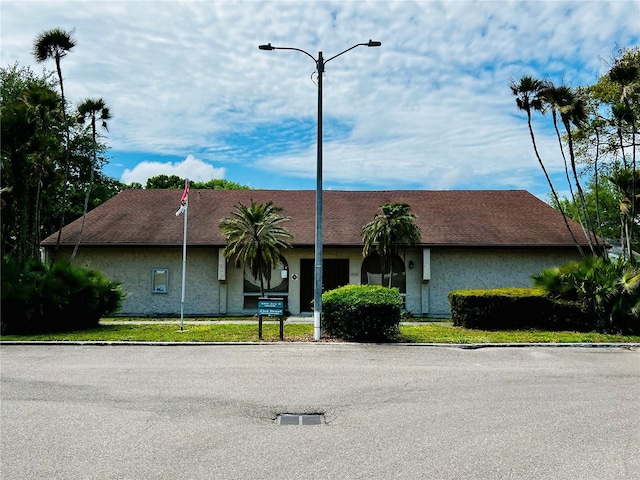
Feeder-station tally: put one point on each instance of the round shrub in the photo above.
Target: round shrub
(362, 312)
(37, 298)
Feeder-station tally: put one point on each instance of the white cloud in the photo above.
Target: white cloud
(191, 168)
(431, 107)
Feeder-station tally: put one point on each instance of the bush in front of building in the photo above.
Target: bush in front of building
(608, 289)
(516, 308)
(37, 298)
(362, 312)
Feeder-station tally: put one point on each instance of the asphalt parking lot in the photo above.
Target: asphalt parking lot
(388, 411)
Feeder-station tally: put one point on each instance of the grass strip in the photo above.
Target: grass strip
(172, 333)
(177, 319)
(432, 333)
(435, 333)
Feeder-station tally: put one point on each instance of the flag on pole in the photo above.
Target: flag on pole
(184, 201)
(184, 205)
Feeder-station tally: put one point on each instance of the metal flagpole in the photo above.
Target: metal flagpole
(184, 253)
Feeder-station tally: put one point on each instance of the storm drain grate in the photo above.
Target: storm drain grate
(300, 419)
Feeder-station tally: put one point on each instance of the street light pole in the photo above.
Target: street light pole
(317, 289)
(317, 292)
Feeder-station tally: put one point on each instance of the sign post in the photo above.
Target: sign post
(271, 307)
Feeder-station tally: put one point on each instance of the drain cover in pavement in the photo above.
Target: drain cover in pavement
(300, 419)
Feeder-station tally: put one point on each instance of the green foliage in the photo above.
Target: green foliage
(514, 308)
(94, 111)
(177, 183)
(34, 150)
(254, 237)
(607, 290)
(54, 43)
(603, 207)
(219, 184)
(37, 298)
(389, 232)
(599, 137)
(362, 312)
(31, 145)
(165, 181)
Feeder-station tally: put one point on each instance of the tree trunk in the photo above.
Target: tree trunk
(88, 194)
(66, 161)
(553, 190)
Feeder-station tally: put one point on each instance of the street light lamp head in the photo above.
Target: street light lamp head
(266, 47)
(373, 44)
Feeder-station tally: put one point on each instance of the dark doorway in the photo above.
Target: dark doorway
(335, 273)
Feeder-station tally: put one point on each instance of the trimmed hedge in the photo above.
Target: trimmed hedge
(362, 312)
(37, 298)
(516, 308)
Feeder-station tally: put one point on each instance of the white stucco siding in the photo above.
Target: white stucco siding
(133, 267)
(455, 269)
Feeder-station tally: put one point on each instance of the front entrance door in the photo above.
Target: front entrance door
(335, 273)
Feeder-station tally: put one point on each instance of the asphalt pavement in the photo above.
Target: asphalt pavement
(387, 411)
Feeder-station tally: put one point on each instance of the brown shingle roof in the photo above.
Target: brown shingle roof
(448, 218)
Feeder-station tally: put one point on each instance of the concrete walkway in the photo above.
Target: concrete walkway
(292, 320)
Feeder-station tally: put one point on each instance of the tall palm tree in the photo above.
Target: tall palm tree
(551, 100)
(93, 110)
(254, 235)
(627, 182)
(628, 77)
(43, 102)
(528, 92)
(572, 110)
(55, 44)
(389, 232)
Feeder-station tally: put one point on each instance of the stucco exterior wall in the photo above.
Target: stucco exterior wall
(450, 269)
(456, 269)
(133, 267)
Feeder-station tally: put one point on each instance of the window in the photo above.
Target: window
(372, 274)
(160, 280)
(277, 287)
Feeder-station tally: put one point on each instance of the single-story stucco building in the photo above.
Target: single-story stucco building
(470, 239)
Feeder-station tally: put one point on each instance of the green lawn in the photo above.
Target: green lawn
(248, 332)
(438, 333)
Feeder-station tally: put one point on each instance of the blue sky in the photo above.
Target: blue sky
(192, 95)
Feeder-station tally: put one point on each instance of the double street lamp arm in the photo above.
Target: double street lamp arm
(320, 63)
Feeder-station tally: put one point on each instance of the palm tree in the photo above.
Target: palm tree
(627, 183)
(56, 43)
(93, 110)
(528, 92)
(44, 102)
(628, 77)
(254, 237)
(389, 232)
(572, 110)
